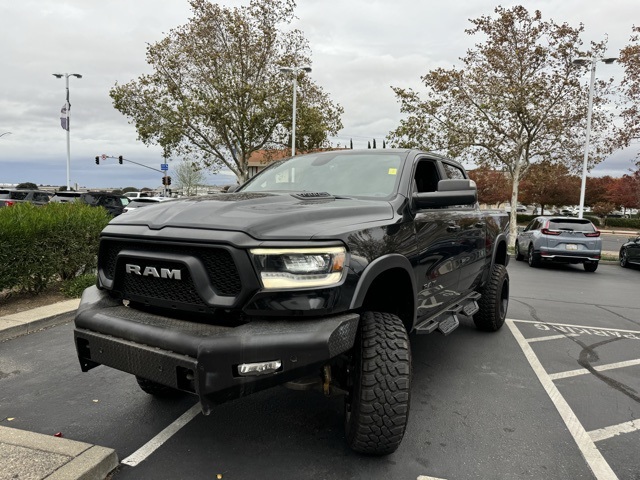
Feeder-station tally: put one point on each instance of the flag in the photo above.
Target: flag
(64, 116)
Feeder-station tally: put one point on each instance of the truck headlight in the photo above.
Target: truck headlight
(299, 267)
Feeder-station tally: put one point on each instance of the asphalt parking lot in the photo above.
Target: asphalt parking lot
(552, 395)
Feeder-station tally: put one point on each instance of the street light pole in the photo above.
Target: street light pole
(67, 126)
(592, 61)
(295, 71)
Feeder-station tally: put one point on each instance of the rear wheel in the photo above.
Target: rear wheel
(624, 258)
(379, 381)
(590, 266)
(519, 255)
(157, 389)
(532, 259)
(494, 301)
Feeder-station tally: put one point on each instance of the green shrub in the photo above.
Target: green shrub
(74, 287)
(39, 245)
(597, 221)
(632, 223)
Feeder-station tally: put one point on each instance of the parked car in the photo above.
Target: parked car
(630, 252)
(536, 211)
(566, 212)
(113, 203)
(618, 214)
(519, 208)
(65, 197)
(561, 240)
(132, 195)
(10, 197)
(143, 202)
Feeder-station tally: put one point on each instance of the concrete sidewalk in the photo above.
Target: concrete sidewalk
(34, 456)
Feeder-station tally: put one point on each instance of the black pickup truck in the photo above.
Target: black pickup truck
(312, 274)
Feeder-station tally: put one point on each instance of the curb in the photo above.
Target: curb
(38, 456)
(29, 321)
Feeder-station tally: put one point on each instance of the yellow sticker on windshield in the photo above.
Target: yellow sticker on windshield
(393, 171)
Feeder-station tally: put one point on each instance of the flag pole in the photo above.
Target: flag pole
(65, 120)
(68, 105)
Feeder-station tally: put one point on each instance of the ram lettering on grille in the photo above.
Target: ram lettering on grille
(153, 272)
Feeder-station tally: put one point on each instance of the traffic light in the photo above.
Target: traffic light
(168, 180)
(97, 160)
(164, 180)
(120, 159)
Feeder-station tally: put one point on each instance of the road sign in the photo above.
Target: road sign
(104, 156)
(164, 167)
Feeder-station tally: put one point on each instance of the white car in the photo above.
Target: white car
(133, 195)
(143, 202)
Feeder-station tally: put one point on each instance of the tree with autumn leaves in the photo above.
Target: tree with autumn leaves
(629, 58)
(517, 99)
(217, 94)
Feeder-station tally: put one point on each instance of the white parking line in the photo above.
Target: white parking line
(612, 431)
(604, 329)
(592, 455)
(152, 445)
(423, 477)
(599, 368)
(551, 337)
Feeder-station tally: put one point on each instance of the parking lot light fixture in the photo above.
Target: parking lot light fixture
(593, 62)
(295, 71)
(66, 126)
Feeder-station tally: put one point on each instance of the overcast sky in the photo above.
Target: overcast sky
(359, 50)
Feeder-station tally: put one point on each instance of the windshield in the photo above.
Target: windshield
(336, 173)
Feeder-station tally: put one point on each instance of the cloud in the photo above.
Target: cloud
(360, 49)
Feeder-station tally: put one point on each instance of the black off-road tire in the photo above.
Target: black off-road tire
(494, 301)
(532, 259)
(519, 256)
(590, 266)
(379, 378)
(157, 389)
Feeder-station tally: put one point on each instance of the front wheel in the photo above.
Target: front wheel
(379, 379)
(494, 301)
(519, 255)
(531, 258)
(624, 258)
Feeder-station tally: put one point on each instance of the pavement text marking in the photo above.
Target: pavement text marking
(585, 443)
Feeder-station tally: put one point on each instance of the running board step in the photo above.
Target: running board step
(449, 324)
(448, 321)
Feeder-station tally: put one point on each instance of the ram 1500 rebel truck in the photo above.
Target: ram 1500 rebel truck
(312, 274)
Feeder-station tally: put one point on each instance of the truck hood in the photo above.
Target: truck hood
(261, 215)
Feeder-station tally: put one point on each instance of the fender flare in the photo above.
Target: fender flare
(499, 238)
(376, 268)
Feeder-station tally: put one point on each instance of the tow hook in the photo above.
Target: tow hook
(326, 383)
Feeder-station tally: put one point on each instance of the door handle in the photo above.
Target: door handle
(453, 227)
(480, 224)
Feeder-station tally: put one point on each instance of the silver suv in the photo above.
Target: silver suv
(561, 240)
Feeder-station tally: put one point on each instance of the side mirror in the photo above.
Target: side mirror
(450, 192)
(232, 188)
(521, 229)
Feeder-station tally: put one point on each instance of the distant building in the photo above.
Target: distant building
(261, 159)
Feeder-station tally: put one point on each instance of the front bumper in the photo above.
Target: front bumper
(202, 358)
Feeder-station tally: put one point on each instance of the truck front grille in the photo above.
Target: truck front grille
(218, 262)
